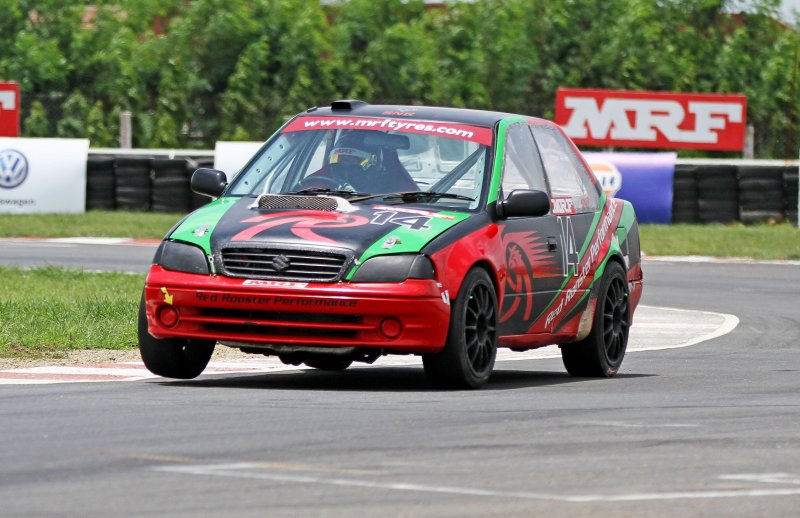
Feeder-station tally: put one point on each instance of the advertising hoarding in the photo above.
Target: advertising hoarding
(644, 179)
(663, 120)
(42, 175)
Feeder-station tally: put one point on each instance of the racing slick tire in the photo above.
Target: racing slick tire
(179, 358)
(600, 354)
(328, 362)
(467, 359)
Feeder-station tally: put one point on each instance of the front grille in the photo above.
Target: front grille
(284, 264)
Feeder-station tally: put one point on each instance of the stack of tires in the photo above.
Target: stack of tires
(170, 186)
(717, 194)
(790, 191)
(133, 189)
(684, 194)
(761, 194)
(100, 191)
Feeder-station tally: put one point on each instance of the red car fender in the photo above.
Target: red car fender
(480, 247)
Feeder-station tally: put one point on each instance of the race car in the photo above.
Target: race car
(359, 230)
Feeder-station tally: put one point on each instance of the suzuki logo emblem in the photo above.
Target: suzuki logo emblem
(281, 263)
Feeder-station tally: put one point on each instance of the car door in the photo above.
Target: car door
(534, 260)
(574, 195)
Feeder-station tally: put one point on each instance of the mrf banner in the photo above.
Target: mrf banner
(664, 120)
(644, 179)
(42, 175)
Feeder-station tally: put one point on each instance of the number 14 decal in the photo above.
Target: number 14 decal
(412, 222)
(569, 249)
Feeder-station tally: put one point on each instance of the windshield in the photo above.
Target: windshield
(435, 163)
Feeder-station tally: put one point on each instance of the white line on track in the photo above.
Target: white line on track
(255, 471)
(654, 329)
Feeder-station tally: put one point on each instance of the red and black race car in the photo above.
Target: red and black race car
(359, 230)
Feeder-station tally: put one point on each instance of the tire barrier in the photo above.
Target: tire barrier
(133, 183)
(717, 194)
(761, 194)
(701, 193)
(170, 186)
(684, 194)
(100, 184)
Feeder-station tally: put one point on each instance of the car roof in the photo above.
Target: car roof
(457, 115)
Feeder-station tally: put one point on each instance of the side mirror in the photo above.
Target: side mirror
(209, 182)
(524, 203)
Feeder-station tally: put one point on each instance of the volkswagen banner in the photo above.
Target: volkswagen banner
(43, 175)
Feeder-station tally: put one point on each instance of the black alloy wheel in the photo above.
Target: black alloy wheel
(600, 354)
(468, 357)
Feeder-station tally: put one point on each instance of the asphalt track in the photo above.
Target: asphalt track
(709, 429)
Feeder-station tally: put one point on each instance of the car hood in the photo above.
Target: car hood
(363, 229)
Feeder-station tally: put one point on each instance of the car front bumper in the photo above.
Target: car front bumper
(412, 316)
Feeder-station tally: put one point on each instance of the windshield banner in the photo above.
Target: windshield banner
(436, 128)
(644, 179)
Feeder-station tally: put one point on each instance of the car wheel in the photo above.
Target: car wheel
(179, 358)
(328, 362)
(467, 360)
(600, 354)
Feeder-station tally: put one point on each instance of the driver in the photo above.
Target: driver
(354, 164)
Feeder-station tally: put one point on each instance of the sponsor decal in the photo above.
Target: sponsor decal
(443, 129)
(201, 231)
(275, 300)
(273, 284)
(399, 113)
(562, 206)
(665, 120)
(13, 168)
(167, 296)
(389, 242)
(591, 259)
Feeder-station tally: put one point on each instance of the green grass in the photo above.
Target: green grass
(91, 224)
(49, 311)
(757, 241)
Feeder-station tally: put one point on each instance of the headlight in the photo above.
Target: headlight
(181, 257)
(394, 268)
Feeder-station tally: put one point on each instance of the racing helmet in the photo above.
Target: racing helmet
(350, 154)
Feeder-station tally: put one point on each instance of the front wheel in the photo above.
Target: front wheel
(467, 360)
(600, 354)
(179, 358)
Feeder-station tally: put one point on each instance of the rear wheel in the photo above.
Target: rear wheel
(328, 362)
(600, 354)
(467, 360)
(179, 358)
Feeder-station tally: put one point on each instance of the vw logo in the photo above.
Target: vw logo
(13, 168)
(281, 263)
